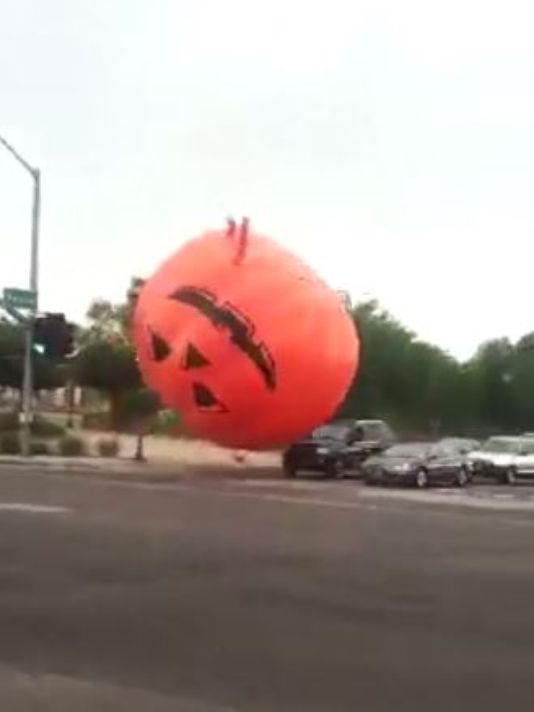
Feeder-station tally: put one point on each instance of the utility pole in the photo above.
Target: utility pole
(27, 386)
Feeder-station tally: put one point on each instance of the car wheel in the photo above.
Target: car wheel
(421, 479)
(462, 478)
(289, 471)
(510, 476)
(334, 469)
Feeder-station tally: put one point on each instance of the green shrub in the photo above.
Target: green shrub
(138, 410)
(43, 428)
(39, 449)
(108, 447)
(167, 421)
(9, 421)
(71, 446)
(96, 421)
(10, 444)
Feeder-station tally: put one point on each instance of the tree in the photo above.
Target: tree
(403, 379)
(107, 361)
(379, 386)
(492, 370)
(108, 366)
(104, 320)
(139, 409)
(108, 321)
(520, 379)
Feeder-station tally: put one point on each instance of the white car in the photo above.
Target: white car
(523, 465)
(504, 457)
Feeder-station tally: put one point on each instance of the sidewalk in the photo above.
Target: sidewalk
(167, 460)
(165, 450)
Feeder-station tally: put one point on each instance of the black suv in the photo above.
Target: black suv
(338, 448)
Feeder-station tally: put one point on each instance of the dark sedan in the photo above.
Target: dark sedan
(419, 464)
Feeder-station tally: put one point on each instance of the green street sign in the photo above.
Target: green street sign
(20, 299)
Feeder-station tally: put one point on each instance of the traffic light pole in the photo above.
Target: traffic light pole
(27, 386)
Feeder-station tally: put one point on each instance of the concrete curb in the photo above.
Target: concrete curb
(65, 462)
(133, 471)
(99, 468)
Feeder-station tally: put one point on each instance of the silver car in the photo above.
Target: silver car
(523, 465)
(504, 458)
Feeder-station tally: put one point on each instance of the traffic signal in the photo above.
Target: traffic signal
(53, 336)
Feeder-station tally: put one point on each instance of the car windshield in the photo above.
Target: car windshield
(459, 445)
(408, 450)
(457, 442)
(501, 445)
(331, 432)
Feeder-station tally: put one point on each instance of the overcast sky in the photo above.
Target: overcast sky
(390, 143)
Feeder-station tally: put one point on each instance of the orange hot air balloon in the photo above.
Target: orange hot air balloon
(244, 341)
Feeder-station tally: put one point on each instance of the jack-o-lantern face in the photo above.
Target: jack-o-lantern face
(253, 352)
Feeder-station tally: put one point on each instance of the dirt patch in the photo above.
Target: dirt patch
(191, 454)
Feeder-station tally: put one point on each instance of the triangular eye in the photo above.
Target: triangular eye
(160, 348)
(193, 358)
(205, 399)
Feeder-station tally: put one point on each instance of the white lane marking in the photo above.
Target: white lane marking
(366, 495)
(29, 508)
(320, 502)
(362, 502)
(478, 501)
(265, 484)
(71, 693)
(506, 502)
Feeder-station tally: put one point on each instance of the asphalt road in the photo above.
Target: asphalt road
(261, 596)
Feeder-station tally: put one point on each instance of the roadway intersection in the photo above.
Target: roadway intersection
(211, 595)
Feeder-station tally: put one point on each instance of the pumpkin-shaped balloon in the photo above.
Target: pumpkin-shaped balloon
(243, 340)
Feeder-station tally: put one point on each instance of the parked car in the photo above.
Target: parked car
(502, 457)
(464, 445)
(338, 448)
(419, 464)
(523, 465)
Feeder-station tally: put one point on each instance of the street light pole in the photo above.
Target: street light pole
(27, 386)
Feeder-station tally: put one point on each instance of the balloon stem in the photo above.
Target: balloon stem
(231, 226)
(243, 241)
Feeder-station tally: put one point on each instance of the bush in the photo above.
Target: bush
(9, 421)
(10, 444)
(167, 422)
(43, 428)
(96, 421)
(71, 446)
(108, 447)
(138, 410)
(39, 449)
